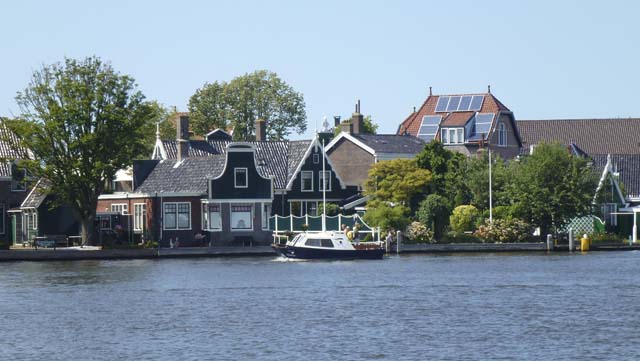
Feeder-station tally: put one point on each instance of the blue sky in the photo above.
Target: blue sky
(543, 59)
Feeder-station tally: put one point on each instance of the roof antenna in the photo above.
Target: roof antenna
(489, 88)
(430, 93)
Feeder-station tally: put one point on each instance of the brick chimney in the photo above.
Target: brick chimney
(336, 121)
(346, 127)
(261, 130)
(357, 120)
(182, 136)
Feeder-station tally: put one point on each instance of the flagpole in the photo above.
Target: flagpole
(324, 192)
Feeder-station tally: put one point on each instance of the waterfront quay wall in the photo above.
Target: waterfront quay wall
(186, 252)
(472, 247)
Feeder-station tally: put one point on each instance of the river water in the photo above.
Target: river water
(418, 307)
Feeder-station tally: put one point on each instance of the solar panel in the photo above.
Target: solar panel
(465, 102)
(442, 104)
(476, 102)
(453, 104)
(483, 123)
(429, 127)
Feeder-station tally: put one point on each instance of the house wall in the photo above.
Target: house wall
(351, 162)
(512, 149)
(10, 199)
(227, 236)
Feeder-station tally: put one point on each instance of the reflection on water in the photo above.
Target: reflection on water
(475, 307)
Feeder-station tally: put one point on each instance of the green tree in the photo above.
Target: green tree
(477, 180)
(258, 95)
(82, 121)
(162, 115)
(398, 181)
(447, 169)
(386, 216)
(550, 187)
(464, 218)
(434, 212)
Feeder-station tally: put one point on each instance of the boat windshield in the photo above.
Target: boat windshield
(319, 242)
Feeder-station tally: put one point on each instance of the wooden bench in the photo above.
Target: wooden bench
(50, 241)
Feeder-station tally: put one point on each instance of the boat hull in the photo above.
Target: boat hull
(314, 253)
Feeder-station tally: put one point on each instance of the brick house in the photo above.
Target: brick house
(466, 123)
(352, 152)
(222, 190)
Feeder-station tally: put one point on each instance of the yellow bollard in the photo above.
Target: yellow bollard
(584, 243)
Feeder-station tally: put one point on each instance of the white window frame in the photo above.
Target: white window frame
(452, 135)
(124, 208)
(265, 217)
(231, 226)
(246, 177)
(206, 217)
(302, 177)
(177, 212)
(502, 135)
(321, 180)
(139, 216)
(316, 158)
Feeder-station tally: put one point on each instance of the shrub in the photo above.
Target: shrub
(464, 218)
(419, 233)
(504, 230)
(456, 237)
(434, 211)
(603, 238)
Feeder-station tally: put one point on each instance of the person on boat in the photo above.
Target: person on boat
(356, 234)
(349, 233)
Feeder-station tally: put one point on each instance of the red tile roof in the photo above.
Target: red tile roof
(458, 119)
(411, 125)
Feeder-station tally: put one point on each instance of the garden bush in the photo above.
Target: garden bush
(456, 237)
(419, 233)
(603, 237)
(504, 231)
(464, 219)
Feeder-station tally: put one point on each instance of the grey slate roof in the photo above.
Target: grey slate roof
(206, 160)
(37, 195)
(392, 143)
(10, 146)
(628, 168)
(190, 176)
(594, 136)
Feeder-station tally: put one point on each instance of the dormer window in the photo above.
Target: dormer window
(452, 135)
(502, 135)
(241, 178)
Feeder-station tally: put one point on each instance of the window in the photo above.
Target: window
(139, 216)
(3, 215)
(295, 208)
(105, 222)
(322, 177)
(313, 242)
(502, 135)
(177, 215)
(610, 217)
(453, 135)
(212, 218)
(18, 178)
(307, 181)
(241, 180)
(121, 208)
(266, 213)
(241, 217)
(31, 220)
(316, 158)
(312, 208)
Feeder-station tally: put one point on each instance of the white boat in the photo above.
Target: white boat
(328, 245)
